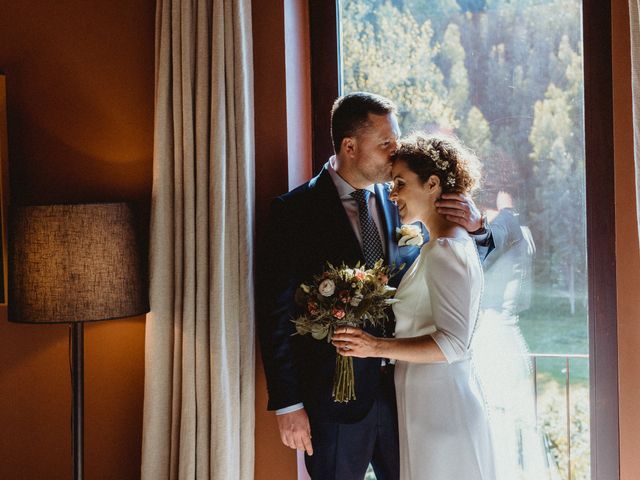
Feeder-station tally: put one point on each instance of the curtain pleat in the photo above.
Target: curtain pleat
(634, 16)
(199, 385)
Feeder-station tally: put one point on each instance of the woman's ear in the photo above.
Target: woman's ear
(433, 184)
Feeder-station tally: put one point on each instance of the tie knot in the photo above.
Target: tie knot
(361, 196)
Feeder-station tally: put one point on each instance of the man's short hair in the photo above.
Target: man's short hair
(350, 113)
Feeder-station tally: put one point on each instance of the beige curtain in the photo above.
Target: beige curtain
(634, 15)
(199, 386)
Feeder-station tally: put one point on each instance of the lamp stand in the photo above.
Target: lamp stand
(93, 251)
(77, 379)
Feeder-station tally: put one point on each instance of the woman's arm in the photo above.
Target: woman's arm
(452, 300)
(353, 342)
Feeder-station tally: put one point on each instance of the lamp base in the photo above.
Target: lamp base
(77, 405)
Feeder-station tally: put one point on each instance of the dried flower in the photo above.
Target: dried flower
(338, 313)
(343, 296)
(357, 298)
(327, 287)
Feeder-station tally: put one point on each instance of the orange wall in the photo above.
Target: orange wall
(627, 250)
(80, 95)
(80, 105)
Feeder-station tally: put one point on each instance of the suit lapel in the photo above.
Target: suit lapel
(335, 221)
(328, 209)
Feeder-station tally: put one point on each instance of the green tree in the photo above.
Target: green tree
(558, 156)
(451, 61)
(476, 132)
(388, 52)
(438, 12)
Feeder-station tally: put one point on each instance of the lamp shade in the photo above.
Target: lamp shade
(74, 263)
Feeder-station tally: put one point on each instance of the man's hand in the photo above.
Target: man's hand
(295, 430)
(460, 209)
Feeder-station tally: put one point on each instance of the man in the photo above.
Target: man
(342, 215)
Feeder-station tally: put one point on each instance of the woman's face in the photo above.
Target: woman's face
(415, 200)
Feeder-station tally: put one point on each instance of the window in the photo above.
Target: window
(507, 77)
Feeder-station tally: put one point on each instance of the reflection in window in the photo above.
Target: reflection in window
(506, 77)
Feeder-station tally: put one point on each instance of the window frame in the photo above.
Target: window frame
(325, 80)
(600, 201)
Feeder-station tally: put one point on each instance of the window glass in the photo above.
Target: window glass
(506, 77)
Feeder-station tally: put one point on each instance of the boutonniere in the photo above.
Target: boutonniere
(409, 235)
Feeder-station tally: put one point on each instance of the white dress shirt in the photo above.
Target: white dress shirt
(351, 205)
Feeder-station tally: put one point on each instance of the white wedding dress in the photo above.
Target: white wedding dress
(443, 429)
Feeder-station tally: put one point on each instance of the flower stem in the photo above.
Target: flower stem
(343, 380)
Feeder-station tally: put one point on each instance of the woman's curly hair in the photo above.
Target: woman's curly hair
(458, 169)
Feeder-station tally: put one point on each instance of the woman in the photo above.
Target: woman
(442, 423)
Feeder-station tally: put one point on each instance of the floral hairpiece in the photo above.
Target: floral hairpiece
(441, 164)
(435, 156)
(451, 179)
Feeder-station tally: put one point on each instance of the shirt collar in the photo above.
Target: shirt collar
(344, 188)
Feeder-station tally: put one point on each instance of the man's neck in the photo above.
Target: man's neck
(349, 175)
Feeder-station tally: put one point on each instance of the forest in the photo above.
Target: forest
(505, 77)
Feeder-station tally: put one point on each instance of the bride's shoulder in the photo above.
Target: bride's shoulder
(456, 240)
(457, 249)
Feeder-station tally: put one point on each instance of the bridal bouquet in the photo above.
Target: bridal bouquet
(341, 297)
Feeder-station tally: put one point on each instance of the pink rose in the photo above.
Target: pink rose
(338, 313)
(360, 275)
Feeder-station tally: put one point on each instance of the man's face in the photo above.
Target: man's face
(374, 146)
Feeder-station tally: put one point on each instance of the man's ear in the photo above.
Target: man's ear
(432, 184)
(349, 146)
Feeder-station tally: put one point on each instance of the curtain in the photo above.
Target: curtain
(199, 354)
(634, 15)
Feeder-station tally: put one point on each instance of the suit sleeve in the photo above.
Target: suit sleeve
(485, 242)
(276, 286)
(503, 232)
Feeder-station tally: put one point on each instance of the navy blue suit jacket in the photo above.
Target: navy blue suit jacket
(309, 227)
